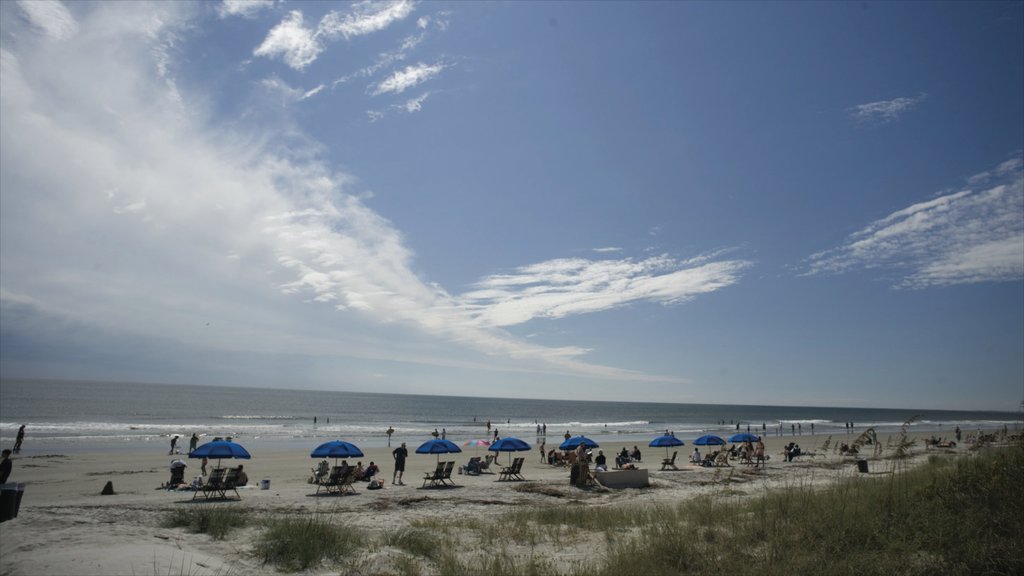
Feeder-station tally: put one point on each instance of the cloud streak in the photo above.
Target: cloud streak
(401, 80)
(973, 235)
(884, 111)
(565, 287)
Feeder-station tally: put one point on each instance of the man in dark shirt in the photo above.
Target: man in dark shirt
(400, 455)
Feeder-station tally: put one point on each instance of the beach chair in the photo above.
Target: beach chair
(320, 473)
(485, 464)
(432, 478)
(332, 481)
(446, 476)
(213, 483)
(667, 463)
(219, 484)
(512, 472)
(345, 484)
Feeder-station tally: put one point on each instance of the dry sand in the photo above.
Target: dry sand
(66, 527)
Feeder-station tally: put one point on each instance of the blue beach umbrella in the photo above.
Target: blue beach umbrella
(667, 441)
(744, 437)
(709, 440)
(509, 445)
(574, 443)
(438, 446)
(336, 449)
(220, 449)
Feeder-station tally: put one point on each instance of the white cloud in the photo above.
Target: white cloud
(974, 235)
(168, 222)
(299, 46)
(365, 18)
(884, 111)
(290, 40)
(415, 104)
(244, 8)
(402, 80)
(50, 17)
(564, 287)
(383, 60)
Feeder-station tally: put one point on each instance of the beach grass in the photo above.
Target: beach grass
(215, 521)
(952, 515)
(301, 543)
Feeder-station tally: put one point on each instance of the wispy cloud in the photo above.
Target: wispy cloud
(383, 60)
(298, 46)
(50, 17)
(564, 287)
(884, 111)
(973, 235)
(244, 8)
(415, 104)
(401, 80)
(365, 18)
(204, 227)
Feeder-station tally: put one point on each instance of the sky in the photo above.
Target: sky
(810, 204)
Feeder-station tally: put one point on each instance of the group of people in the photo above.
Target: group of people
(748, 453)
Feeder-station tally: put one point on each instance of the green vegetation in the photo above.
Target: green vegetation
(302, 543)
(950, 516)
(215, 521)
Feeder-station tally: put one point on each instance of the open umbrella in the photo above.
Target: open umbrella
(667, 441)
(744, 437)
(220, 449)
(709, 440)
(438, 446)
(475, 444)
(336, 449)
(574, 443)
(509, 444)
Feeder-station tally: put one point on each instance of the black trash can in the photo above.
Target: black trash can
(862, 466)
(10, 500)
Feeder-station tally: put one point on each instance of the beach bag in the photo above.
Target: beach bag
(375, 484)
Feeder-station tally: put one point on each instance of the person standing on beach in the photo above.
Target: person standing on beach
(174, 444)
(543, 458)
(19, 439)
(5, 467)
(193, 442)
(400, 454)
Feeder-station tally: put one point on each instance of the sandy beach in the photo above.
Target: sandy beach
(66, 526)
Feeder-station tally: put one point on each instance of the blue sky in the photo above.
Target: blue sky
(756, 203)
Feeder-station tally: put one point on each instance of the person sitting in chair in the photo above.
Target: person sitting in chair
(600, 462)
(370, 471)
(243, 478)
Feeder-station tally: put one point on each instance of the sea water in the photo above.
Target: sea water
(61, 416)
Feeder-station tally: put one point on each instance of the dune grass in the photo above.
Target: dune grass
(962, 516)
(959, 515)
(215, 521)
(300, 543)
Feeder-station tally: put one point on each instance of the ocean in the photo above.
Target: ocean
(61, 416)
